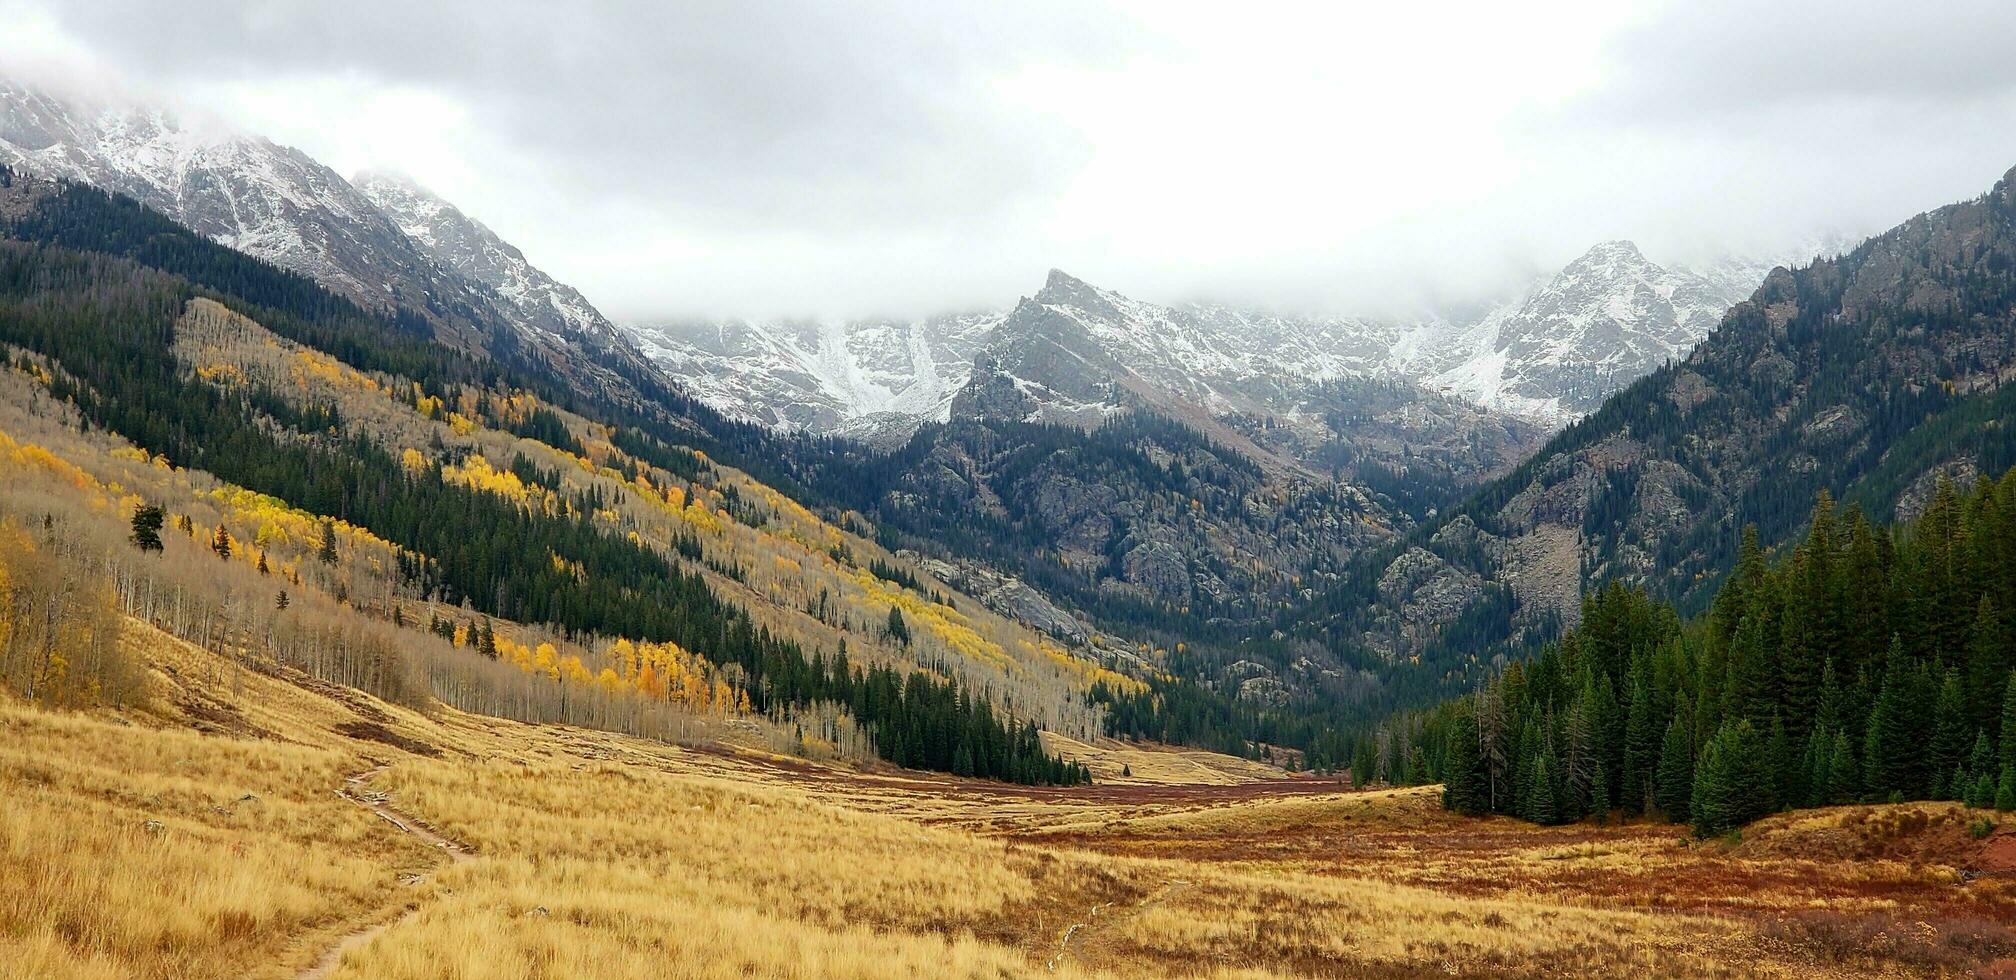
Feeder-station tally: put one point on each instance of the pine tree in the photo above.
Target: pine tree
(1731, 781)
(1641, 744)
(325, 551)
(1676, 770)
(263, 569)
(898, 629)
(1464, 781)
(1844, 771)
(2008, 726)
(1983, 793)
(1988, 663)
(280, 601)
(1981, 760)
(2005, 789)
(147, 520)
(1949, 736)
(1540, 802)
(220, 542)
(1899, 730)
(1786, 775)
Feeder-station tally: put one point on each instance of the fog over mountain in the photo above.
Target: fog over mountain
(806, 162)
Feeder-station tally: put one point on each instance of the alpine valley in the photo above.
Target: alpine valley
(1080, 634)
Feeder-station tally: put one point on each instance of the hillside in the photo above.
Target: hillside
(611, 563)
(1864, 376)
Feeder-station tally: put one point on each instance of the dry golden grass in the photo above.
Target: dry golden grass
(1113, 761)
(594, 854)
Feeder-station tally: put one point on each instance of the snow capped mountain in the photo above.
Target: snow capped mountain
(1074, 353)
(383, 242)
(871, 378)
(1607, 319)
(1298, 393)
(263, 199)
(466, 246)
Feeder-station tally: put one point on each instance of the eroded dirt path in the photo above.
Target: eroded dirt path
(356, 789)
(1098, 919)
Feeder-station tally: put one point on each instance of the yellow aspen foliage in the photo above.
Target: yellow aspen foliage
(609, 681)
(477, 473)
(413, 461)
(649, 683)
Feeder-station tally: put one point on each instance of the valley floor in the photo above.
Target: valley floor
(267, 825)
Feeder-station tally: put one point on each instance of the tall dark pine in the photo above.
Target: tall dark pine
(147, 521)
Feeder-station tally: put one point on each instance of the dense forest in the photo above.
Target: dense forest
(109, 322)
(1864, 663)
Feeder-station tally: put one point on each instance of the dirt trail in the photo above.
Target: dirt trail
(1157, 897)
(354, 790)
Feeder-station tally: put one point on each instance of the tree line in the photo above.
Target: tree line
(1863, 663)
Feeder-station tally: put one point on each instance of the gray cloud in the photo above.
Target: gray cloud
(796, 115)
(736, 158)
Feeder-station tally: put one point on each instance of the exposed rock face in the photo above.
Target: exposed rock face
(992, 395)
(1288, 393)
(1007, 595)
(1912, 502)
(1158, 568)
(1421, 593)
(1912, 327)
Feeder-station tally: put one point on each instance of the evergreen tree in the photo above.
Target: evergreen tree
(1676, 771)
(1981, 760)
(1844, 772)
(1899, 730)
(897, 628)
(325, 550)
(220, 542)
(1950, 725)
(1540, 798)
(147, 520)
(1731, 783)
(1464, 781)
(2008, 725)
(1988, 663)
(1641, 744)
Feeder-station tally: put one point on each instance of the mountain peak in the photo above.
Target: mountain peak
(1064, 289)
(1617, 251)
(389, 179)
(1063, 286)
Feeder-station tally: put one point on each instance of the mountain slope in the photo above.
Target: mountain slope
(1607, 319)
(874, 379)
(1858, 375)
(554, 310)
(278, 204)
(487, 503)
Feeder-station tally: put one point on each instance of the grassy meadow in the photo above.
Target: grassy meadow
(219, 827)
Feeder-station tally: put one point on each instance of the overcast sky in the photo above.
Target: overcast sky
(831, 159)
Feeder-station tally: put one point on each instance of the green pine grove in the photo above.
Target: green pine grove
(1864, 663)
